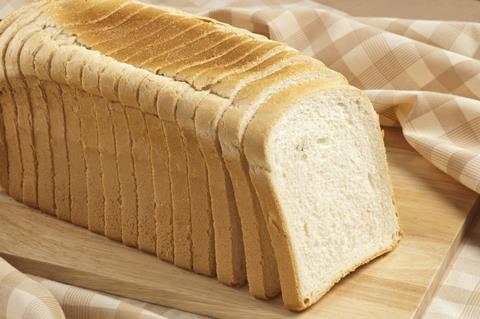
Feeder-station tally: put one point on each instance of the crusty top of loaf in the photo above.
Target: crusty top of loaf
(106, 27)
(152, 48)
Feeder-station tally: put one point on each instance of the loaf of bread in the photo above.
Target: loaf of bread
(216, 149)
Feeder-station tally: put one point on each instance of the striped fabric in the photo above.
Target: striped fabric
(421, 75)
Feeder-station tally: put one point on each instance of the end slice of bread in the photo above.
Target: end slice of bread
(317, 161)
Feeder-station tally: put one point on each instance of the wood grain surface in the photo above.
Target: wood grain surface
(434, 210)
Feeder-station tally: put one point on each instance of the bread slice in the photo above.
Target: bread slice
(230, 257)
(261, 265)
(144, 179)
(162, 189)
(109, 168)
(9, 28)
(179, 183)
(88, 139)
(78, 169)
(126, 175)
(317, 161)
(150, 98)
(23, 114)
(41, 129)
(203, 249)
(95, 191)
(54, 92)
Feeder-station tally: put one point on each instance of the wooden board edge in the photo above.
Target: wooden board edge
(472, 216)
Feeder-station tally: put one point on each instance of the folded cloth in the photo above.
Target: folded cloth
(421, 75)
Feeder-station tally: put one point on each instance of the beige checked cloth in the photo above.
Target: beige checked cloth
(421, 75)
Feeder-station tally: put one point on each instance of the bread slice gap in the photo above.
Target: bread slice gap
(81, 13)
(23, 112)
(112, 20)
(236, 66)
(205, 36)
(109, 166)
(203, 244)
(179, 179)
(78, 176)
(326, 138)
(41, 122)
(6, 102)
(108, 83)
(220, 46)
(138, 27)
(149, 93)
(143, 175)
(162, 188)
(41, 119)
(161, 49)
(9, 28)
(126, 175)
(47, 60)
(104, 155)
(85, 114)
(227, 58)
(172, 28)
(95, 191)
(166, 100)
(206, 41)
(229, 85)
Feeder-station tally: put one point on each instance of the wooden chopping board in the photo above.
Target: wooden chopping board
(434, 210)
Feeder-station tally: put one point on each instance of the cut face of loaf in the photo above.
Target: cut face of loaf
(146, 125)
(317, 161)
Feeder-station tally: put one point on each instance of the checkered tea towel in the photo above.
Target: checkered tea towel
(421, 75)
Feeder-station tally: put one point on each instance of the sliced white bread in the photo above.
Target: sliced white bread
(23, 115)
(272, 98)
(203, 249)
(109, 167)
(12, 159)
(41, 130)
(144, 177)
(261, 265)
(317, 161)
(126, 175)
(91, 150)
(78, 169)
